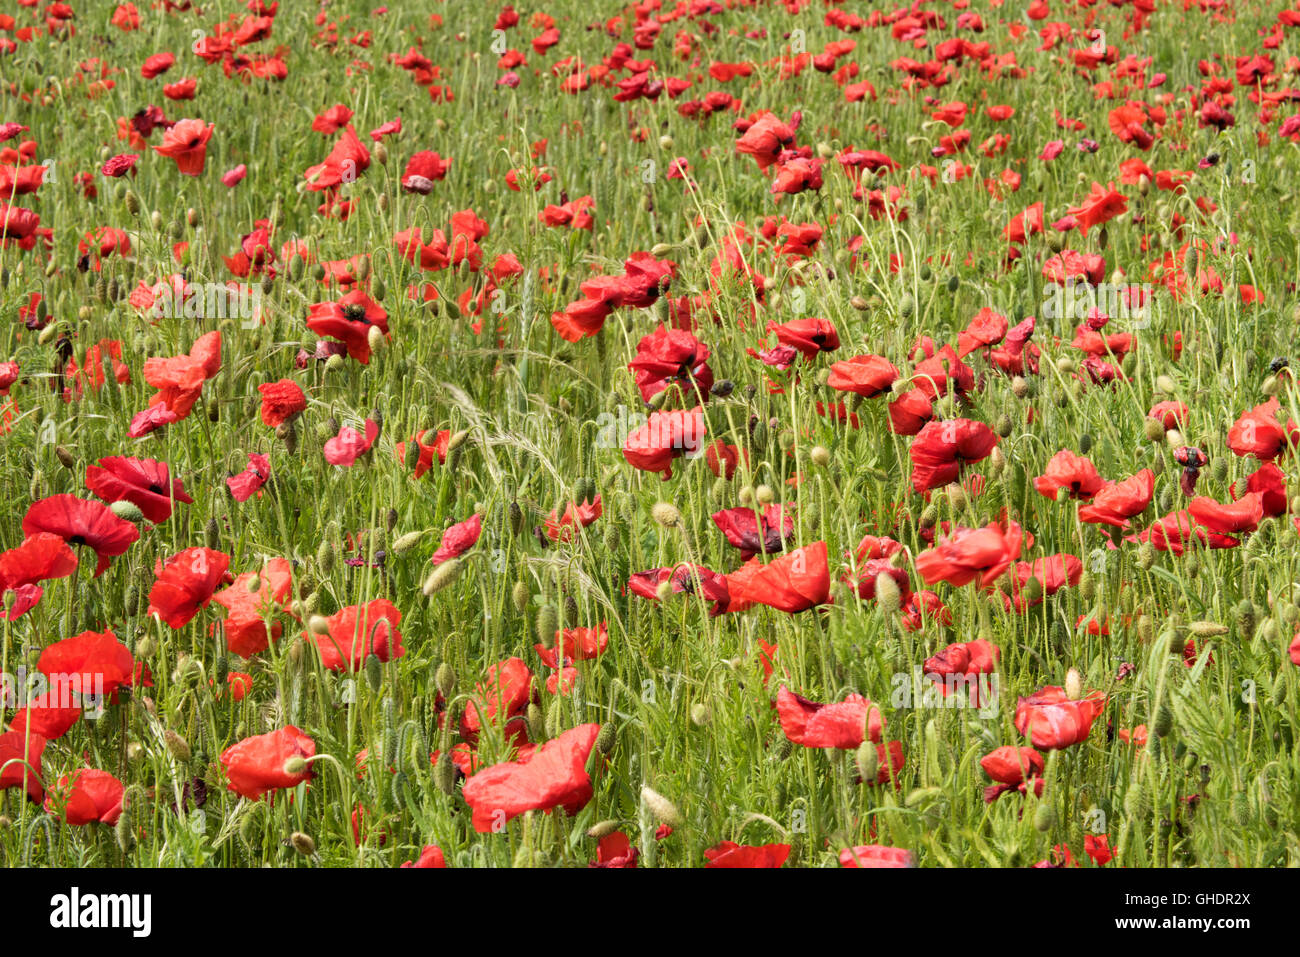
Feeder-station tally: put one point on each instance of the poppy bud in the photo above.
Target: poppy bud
(325, 557)
(179, 748)
(1045, 816)
(1020, 387)
(664, 591)
(127, 510)
(663, 810)
(442, 576)
(302, 843)
(124, 831)
(906, 306)
(1073, 684)
(374, 673)
(406, 542)
(603, 828)
(666, 514)
(515, 514)
(547, 624)
(701, 715)
(1241, 808)
(287, 434)
(1192, 262)
(375, 339)
(764, 495)
(378, 289)
(958, 500)
(1087, 587)
(570, 611)
(132, 203)
(820, 456)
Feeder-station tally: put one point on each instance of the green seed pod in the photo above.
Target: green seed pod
(606, 738)
(1164, 720)
(954, 281)
(212, 534)
(906, 306)
(613, 538)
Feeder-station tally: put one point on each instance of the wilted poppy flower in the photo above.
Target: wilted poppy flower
(349, 445)
(875, 855)
(553, 775)
(795, 582)
(458, 539)
(843, 724)
(80, 521)
(731, 854)
(1053, 720)
(267, 762)
(764, 532)
(186, 583)
(358, 631)
(20, 763)
(145, 483)
(428, 450)
(187, 144)
(87, 797)
(691, 579)
(968, 555)
(1071, 472)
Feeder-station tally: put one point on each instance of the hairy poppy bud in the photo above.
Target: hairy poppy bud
(179, 748)
(302, 843)
(442, 576)
(1045, 816)
(701, 715)
(132, 203)
(764, 495)
(127, 510)
(663, 810)
(406, 542)
(547, 624)
(820, 456)
(868, 761)
(374, 672)
(888, 594)
(666, 515)
(1073, 684)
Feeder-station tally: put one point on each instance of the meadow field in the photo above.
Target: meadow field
(692, 433)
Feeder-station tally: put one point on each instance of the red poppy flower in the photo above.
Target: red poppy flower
(723, 459)
(1011, 768)
(867, 376)
(186, 583)
(261, 763)
(796, 581)
(875, 855)
(672, 356)
(1259, 433)
(1243, 515)
(909, 413)
(1115, 504)
(764, 139)
(554, 775)
(1069, 471)
(615, 850)
(458, 539)
(575, 644)
(560, 528)
(693, 579)
(51, 714)
(664, 437)
(348, 159)
(422, 171)
(281, 401)
(1103, 204)
(968, 555)
(87, 797)
(1269, 482)
(358, 631)
(966, 661)
(844, 724)
(764, 532)
(145, 483)
(81, 521)
(988, 328)
(430, 856)
(943, 371)
(1053, 720)
(157, 64)
(20, 763)
(349, 445)
(349, 320)
(40, 557)
(1177, 531)
(808, 336)
(942, 449)
(506, 691)
(251, 480)
(731, 854)
(187, 144)
(428, 450)
(245, 628)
